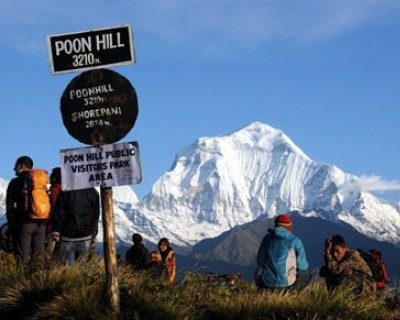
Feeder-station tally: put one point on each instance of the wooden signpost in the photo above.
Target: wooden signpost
(99, 107)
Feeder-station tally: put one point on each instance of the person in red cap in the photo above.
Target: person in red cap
(281, 258)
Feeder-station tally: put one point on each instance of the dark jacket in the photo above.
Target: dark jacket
(77, 213)
(137, 256)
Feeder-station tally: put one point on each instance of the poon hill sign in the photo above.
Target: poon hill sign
(90, 49)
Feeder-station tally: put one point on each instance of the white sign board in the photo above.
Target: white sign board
(101, 166)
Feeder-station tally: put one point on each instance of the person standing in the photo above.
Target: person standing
(75, 222)
(168, 258)
(28, 233)
(281, 258)
(138, 255)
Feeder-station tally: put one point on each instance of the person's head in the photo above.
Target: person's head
(339, 247)
(55, 176)
(155, 256)
(284, 221)
(137, 238)
(23, 163)
(163, 244)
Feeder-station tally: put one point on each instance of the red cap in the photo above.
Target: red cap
(283, 220)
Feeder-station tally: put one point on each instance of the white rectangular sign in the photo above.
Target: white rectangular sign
(101, 166)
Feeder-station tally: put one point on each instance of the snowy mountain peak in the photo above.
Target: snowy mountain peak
(220, 182)
(267, 137)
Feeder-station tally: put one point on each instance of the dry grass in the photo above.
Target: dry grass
(77, 292)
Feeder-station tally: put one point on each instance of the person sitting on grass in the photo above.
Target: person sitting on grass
(281, 260)
(156, 269)
(346, 267)
(168, 258)
(137, 255)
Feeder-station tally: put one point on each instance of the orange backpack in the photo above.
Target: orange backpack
(36, 196)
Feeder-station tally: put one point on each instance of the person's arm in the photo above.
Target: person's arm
(170, 263)
(261, 253)
(128, 256)
(337, 267)
(10, 203)
(57, 217)
(95, 212)
(302, 262)
(146, 257)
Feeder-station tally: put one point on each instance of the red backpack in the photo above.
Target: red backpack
(374, 260)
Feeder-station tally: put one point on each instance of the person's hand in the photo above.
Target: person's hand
(348, 271)
(56, 236)
(328, 246)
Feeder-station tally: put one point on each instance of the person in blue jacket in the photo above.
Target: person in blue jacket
(281, 258)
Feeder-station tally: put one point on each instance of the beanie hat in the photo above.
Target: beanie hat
(283, 220)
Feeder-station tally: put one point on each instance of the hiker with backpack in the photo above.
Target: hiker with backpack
(27, 226)
(345, 267)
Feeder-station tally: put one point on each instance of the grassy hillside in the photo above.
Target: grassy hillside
(77, 292)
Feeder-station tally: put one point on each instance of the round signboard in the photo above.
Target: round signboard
(99, 107)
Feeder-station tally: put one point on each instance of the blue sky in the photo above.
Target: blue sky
(324, 72)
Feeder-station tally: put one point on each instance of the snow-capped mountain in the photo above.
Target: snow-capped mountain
(221, 182)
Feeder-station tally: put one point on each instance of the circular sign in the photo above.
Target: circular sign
(99, 107)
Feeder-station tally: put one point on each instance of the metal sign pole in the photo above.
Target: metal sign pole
(110, 254)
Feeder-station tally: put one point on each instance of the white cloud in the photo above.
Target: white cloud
(376, 183)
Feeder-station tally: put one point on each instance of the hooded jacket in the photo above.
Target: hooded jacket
(280, 257)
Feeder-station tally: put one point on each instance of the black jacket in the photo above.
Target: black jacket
(137, 256)
(77, 213)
